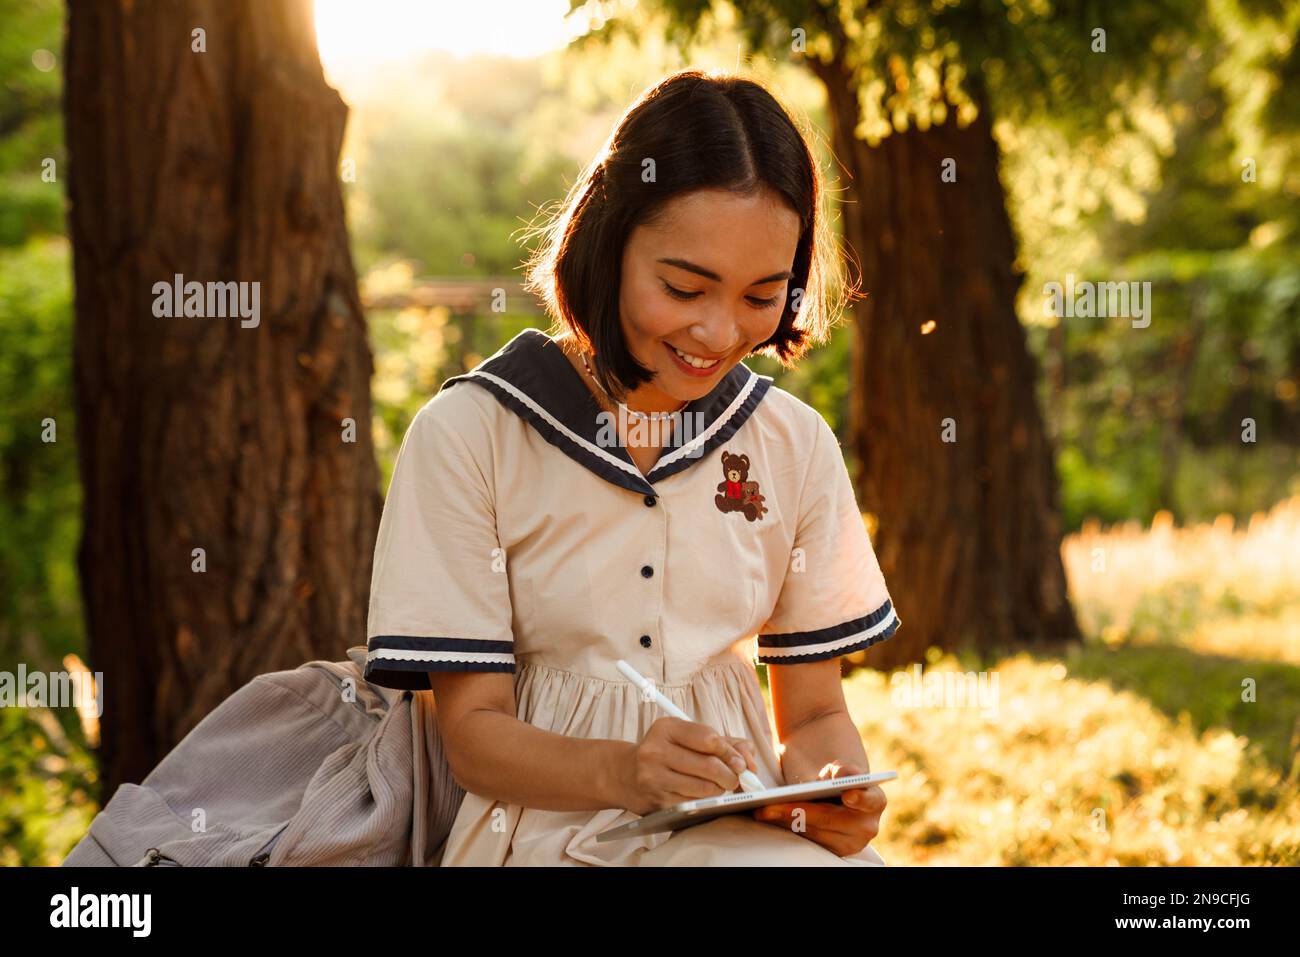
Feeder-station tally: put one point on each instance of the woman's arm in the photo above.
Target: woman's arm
(812, 719)
(820, 741)
(493, 754)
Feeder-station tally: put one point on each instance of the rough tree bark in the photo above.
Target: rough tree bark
(970, 533)
(198, 432)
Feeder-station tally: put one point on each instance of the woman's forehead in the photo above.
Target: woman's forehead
(721, 232)
(706, 207)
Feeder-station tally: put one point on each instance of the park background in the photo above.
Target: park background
(1173, 157)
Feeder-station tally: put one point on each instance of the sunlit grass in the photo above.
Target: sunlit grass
(1071, 771)
(1135, 748)
(1211, 587)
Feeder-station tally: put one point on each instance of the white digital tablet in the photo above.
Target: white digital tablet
(690, 813)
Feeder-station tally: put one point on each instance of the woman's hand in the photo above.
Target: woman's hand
(844, 828)
(681, 761)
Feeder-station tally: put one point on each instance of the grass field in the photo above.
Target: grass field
(1168, 737)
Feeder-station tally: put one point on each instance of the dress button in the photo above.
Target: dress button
(646, 571)
(650, 501)
(645, 641)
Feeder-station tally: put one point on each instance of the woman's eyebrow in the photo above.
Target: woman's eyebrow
(710, 274)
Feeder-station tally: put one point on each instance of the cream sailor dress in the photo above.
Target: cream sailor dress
(517, 537)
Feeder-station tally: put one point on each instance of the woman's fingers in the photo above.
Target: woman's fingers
(820, 815)
(704, 753)
(746, 748)
(844, 826)
(715, 776)
(871, 800)
(715, 770)
(690, 750)
(839, 842)
(678, 787)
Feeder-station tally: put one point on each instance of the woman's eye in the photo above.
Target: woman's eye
(685, 296)
(680, 293)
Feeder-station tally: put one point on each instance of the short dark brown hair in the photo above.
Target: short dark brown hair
(704, 131)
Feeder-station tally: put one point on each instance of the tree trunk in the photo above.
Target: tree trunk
(969, 531)
(212, 433)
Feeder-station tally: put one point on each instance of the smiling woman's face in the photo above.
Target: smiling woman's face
(710, 278)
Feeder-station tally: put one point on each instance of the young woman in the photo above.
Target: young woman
(629, 489)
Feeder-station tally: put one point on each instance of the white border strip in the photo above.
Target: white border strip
(798, 651)
(718, 423)
(559, 426)
(380, 654)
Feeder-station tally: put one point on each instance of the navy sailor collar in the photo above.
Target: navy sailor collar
(531, 377)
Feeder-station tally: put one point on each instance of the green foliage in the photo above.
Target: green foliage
(31, 126)
(40, 497)
(1153, 417)
(47, 784)
(416, 351)
(444, 179)
(47, 774)
(913, 59)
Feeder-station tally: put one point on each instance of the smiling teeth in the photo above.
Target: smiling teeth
(695, 361)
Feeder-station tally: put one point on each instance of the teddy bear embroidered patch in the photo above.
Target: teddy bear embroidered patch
(738, 493)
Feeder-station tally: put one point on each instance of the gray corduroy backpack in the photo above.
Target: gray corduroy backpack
(314, 766)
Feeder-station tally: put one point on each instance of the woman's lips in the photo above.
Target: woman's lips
(689, 369)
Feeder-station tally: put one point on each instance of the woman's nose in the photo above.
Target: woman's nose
(719, 334)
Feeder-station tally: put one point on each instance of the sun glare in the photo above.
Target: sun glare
(355, 33)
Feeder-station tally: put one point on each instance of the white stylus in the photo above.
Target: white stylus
(749, 781)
